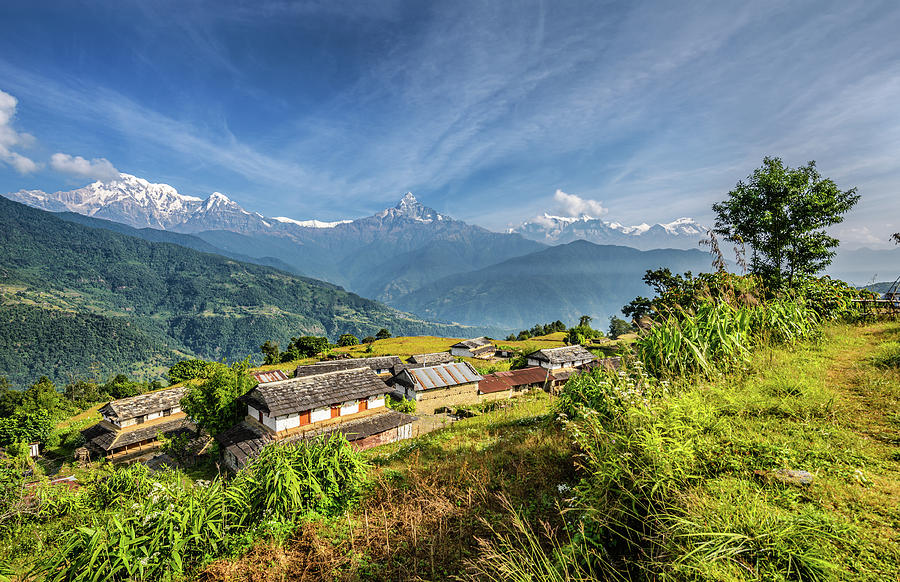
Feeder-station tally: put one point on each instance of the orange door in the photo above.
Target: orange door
(335, 411)
(363, 405)
(304, 418)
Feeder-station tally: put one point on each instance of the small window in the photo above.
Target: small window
(139, 419)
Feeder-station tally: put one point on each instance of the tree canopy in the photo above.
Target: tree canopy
(213, 404)
(781, 213)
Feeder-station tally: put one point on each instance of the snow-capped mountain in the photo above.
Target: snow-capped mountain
(136, 202)
(129, 200)
(684, 233)
(411, 209)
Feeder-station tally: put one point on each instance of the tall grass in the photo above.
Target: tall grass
(170, 527)
(718, 336)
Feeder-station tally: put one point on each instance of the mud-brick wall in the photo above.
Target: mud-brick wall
(427, 401)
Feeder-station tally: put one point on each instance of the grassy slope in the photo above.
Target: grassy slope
(825, 408)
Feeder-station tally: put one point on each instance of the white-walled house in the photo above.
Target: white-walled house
(479, 347)
(351, 401)
(558, 358)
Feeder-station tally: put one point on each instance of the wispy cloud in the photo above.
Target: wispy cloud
(576, 206)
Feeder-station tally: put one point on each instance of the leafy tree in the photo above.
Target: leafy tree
(188, 370)
(271, 352)
(369, 340)
(383, 334)
(347, 339)
(84, 393)
(585, 321)
(10, 400)
(306, 346)
(782, 213)
(42, 396)
(582, 332)
(638, 308)
(25, 427)
(213, 404)
(120, 386)
(618, 326)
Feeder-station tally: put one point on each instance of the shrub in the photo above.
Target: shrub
(347, 340)
(400, 404)
(188, 370)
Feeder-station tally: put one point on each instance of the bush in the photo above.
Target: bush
(347, 340)
(188, 370)
(400, 404)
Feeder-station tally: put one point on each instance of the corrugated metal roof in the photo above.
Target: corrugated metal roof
(443, 375)
(499, 381)
(271, 376)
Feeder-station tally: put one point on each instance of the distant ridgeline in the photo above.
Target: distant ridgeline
(77, 301)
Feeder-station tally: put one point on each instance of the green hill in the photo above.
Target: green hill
(154, 302)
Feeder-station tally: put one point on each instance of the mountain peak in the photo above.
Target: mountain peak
(407, 201)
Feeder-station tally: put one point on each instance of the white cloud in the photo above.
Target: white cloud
(10, 138)
(98, 168)
(572, 205)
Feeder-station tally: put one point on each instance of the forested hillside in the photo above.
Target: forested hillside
(169, 298)
(561, 282)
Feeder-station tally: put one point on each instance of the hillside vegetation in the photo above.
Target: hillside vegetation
(162, 300)
(562, 282)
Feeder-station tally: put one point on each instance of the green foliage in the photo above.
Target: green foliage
(718, 336)
(119, 303)
(400, 404)
(887, 356)
(213, 403)
(318, 476)
(306, 346)
(618, 326)
(369, 340)
(270, 352)
(383, 334)
(347, 339)
(538, 330)
(189, 370)
(583, 332)
(25, 427)
(782, 213)
(12, 488)
(165, 527)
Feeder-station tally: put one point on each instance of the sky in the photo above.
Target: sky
(638, 111)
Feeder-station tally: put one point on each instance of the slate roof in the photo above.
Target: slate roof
(309, 392)
(375, 363)
(105, 439)
(471, 344)
(431, 359)
(562, 355)
(142, 404)
(245, 441)
(271, 376)
(439, 376)
(511, 379)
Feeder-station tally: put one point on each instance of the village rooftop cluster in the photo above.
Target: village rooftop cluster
(344, 395)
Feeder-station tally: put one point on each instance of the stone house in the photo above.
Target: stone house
(560, 358)
(512, 382)
(130, 425)
(349, 401)
(434, 387)
(480, 347)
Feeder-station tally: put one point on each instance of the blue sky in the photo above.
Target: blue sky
(484, 110)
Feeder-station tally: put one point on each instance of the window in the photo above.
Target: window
(139, 419)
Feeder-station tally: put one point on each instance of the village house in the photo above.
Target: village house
(560, 358)
(512, 382)
(480, 347)
(558, 378)
(130, 425)
(350, 401)
(381, 365)
(431, 359)
(438, 386)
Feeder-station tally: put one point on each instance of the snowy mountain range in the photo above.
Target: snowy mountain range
(684, 233)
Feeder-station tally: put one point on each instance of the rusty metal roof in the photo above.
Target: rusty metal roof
(499, 381)
(443, 375)
(270, 376)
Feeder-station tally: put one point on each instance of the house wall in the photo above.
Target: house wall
(287, 422)
(389, 436)
(461, 352)
(319, 414)
(427, 401)
(350, 407)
